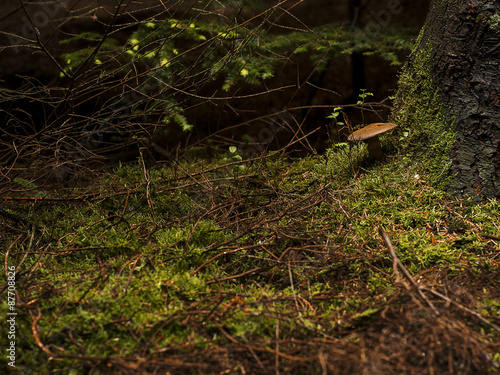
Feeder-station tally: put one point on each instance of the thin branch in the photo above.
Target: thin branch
(463, 308)
(254, 270)
(397, 264)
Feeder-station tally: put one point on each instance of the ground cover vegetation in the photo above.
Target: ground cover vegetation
(221, 261)
(203, 267)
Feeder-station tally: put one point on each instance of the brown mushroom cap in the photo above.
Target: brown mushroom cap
(370, 131)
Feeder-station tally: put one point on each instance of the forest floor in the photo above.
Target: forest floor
(270, 265)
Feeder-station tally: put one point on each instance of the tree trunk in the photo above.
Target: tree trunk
(449, 99)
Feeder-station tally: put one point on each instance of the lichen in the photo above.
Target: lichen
(419, 112)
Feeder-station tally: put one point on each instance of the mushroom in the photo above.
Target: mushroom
(369, 134)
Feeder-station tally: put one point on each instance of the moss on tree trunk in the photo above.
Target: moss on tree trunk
(448, 96)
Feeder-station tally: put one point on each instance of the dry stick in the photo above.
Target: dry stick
(397, 264)
(277, 337)
(266, 349)
(293, 288)
(51, 199)
(130, 274)
(257, 359)
(6, 258)
(234, 276)
(491, 237)
(90, 359)
(267, 116)
(26, 252)
(437, 294)
(148, 182)
(215, 257)
(218, 300)
(463, 308)
(35, 334)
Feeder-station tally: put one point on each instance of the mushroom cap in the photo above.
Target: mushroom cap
(371, 130)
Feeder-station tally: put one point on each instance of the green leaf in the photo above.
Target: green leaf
(182, 121)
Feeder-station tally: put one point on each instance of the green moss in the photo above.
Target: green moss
(291, 248)
(420, 113)
(495, 22)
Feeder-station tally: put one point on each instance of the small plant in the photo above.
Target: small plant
(234, 156)
(361, 102)
(340, 157)
(336, 112)
(334, 115)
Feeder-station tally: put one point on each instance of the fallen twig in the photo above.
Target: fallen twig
(234, 276)
(489, 236)
(34, 330)
(397, 264)
(463, 308)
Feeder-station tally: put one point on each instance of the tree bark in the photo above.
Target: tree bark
(462, 40)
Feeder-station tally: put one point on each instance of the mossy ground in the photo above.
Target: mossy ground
(268, 266)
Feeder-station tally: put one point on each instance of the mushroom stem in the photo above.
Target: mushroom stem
(374, 148)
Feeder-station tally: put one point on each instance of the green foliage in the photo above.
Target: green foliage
(364, 94)
(336, 112)
(163, 58)
(290, 247)
(179, 263)
(342, 161)
(494, 22)
(80, 58)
